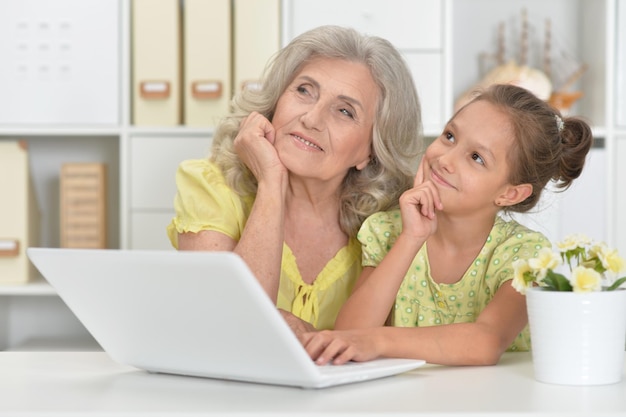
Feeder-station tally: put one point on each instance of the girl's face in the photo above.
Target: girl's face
(468, 161)
(324, 119)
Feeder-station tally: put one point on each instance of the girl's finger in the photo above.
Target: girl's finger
(419, 175)
(313, 344)
(421, 198)
(347, 355)
(332, 351)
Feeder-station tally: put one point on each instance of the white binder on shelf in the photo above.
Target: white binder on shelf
(60, 62)
(19, 223)
(206, 61)
(156, 65)
(256, 37)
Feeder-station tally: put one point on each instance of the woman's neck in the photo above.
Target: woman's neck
(320, 198)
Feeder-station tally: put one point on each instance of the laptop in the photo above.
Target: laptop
(200, 314)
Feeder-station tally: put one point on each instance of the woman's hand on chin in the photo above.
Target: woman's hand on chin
(254, 144)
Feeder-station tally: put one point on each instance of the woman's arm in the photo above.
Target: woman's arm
(478, 343)
(261, 242)
(297, 325)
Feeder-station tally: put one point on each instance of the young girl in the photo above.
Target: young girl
(442, 264)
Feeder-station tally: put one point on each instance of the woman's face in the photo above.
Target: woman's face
(468, 162)
(324, 119)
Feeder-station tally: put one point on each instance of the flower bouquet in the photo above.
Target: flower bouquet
(593, 267)
(576, 312)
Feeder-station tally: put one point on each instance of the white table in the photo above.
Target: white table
(91, 384)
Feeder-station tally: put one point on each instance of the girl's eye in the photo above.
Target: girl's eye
(476, 157)
(450, 137)
(347, 113)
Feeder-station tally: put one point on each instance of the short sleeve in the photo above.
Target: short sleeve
(205, 202)
(513, 241)
(378, 234)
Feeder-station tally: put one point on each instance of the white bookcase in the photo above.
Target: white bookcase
(141, 161)
(442, 41)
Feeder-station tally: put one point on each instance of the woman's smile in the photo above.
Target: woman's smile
(306, 142)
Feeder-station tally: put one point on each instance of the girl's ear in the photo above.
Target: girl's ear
(514, 194)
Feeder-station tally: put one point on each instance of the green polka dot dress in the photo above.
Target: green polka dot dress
(423, 302)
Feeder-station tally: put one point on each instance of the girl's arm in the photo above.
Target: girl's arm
(375, 291)
(478, 343)
(261, 242)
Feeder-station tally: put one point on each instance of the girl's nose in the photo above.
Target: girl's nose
(446, 160)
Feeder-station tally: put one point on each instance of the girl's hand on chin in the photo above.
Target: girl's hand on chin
(419, 206)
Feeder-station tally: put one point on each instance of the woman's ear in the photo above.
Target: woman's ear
(514, 194)
(361, 165)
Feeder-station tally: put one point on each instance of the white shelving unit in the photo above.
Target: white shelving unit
(32, 316)
(442, 41)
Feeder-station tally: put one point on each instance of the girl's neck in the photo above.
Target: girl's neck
(455, 245)
(459, 233)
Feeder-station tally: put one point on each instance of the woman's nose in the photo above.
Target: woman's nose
(314, 117)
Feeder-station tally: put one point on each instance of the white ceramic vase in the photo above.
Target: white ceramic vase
(577, 339)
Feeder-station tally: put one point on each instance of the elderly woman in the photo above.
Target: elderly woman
(332, 136)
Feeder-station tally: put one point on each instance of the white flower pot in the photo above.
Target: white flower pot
(577, 339)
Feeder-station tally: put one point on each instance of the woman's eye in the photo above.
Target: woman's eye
(347, 113)
(478, 158)
(302, 89)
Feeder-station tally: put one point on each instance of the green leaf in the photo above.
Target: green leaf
(616, 284)
(556, 282)
(599, 268)
(529, 277)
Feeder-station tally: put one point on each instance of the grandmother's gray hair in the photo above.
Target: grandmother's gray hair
(397, 135)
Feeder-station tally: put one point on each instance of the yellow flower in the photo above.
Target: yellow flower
(523, 277)
(611, 261)
(585, 279)
(596, 249)
(546, 259)
(572, 242)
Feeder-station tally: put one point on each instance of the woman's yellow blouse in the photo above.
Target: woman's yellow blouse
(205, 202)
